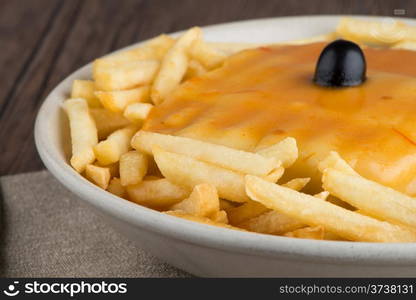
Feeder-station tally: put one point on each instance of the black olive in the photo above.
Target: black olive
(341, 63)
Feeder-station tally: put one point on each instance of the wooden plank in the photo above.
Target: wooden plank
(17, 119)
(19, 45)
(46, 40)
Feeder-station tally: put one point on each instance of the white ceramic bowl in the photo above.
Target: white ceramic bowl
(210, 251)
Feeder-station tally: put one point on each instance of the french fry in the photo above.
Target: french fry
(154, 49)
(314, 233)
(206, 54)
(322, 195)
(285, 151)
(117, 101)
(297, 184)
(236, 160)
(137, 112)
(202, 220)
(246, 211)
(85, 89)
(133, 167)
(98, 175)
(83, 133)
(220, 217)
(126, 75)
(274, 175)
(195, 68)
(315, 212)
(116, 188)
(110, 150)
(372, 198)
(271, 222)
(158, 194)
(188, 172)
(253, 209)
(114, 168)
(107, 122)
(174, 66)
(203, 201)
(334, 161)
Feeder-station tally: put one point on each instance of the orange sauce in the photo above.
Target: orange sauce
(263, 95)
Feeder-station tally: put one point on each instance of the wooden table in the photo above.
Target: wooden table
(42, 41)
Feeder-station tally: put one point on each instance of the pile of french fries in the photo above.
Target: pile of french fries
(214, 184)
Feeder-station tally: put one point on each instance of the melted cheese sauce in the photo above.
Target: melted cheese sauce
(263, 95)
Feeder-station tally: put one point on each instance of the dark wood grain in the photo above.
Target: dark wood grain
(43, 41)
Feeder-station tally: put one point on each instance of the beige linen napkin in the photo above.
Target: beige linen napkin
(47, 232)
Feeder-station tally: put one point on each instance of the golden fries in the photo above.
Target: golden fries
(246, 211)
(271, 222)
(314, 233)
(236, 160)
(133, 167)
(83, 133)
(297, 184)
(153, 49)
(343, 222)
(372, 198)
(114, 168)
(189, 172)
(252, 209)
(137, 112)
(126, 75)
(285, 151)
(85, 89)
(115, 188)
(98, 175)
(220, 217)
(107, 122)
(206, 54)
(322, 195)
(334, 161)
(195, 69)
(110, 150)
(117, 101)
(202, 220)
(203, 202)
(156, 193)
(174, 65)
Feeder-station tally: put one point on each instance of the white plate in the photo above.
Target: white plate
(210, 251)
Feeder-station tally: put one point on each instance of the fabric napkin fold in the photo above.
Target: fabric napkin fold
(47, 232)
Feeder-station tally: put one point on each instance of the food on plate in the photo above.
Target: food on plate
(83, 133)
(85, 89)
(117, 101)
(133, 167)
(137, 112)
(114, 146)
(99, 175)
(316, 212)
(307, 139)
(157, 193)
(203, 202)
